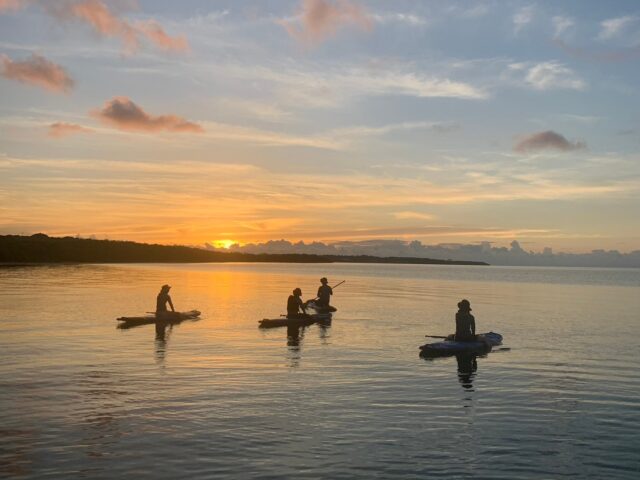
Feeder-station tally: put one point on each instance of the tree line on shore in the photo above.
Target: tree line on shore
(41, 248)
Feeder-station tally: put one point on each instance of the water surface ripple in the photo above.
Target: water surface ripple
(217, 397)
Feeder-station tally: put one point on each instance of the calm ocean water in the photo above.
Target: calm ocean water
(218, 397)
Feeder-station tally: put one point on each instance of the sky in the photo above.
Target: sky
(215, 122)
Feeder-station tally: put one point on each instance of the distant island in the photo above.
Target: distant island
(41, 248)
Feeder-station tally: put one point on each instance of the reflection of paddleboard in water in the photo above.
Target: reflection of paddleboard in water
(450, 346)
(295, 322)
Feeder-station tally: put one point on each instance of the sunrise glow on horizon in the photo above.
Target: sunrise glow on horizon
(320, 120)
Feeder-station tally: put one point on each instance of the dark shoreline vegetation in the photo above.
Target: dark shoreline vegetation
(40, 248)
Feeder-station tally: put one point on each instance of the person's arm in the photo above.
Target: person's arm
(301, 304)
(171, 303)
(473, 325)
(330, 291)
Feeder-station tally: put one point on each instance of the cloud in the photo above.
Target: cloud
(37, 71)
(475, 11)
(614, 26)
(522, 18)
(11, 5)
(561, 24)
(62, 129)
(548, 140)
(106, 22)
(319, 20)
(409, 19)
(155, 33)
(124, 114)
(411, 215)
(548, 76)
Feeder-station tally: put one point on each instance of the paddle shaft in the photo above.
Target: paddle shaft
(436, 336)
(335, 286)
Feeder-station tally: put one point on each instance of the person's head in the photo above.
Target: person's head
(297, 292)
(464, 305)
(165, 288)
(324, 280)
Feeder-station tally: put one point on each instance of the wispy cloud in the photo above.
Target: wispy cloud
(613, 27)
(319, 20)
(37, 71)
(411, 215)
(474, 10)
(548, 76)
(561, 24)
(124, 114)
(522, 18)
(105, 22)
(63, 129)
(409, 19)
(548, 140)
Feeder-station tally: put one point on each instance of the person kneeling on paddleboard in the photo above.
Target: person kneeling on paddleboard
(465, 323)
(324, 293)
(162, 300)
(295, 304)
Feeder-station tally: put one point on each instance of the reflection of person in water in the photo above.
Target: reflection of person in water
(162, 300)
(295, 305)
(294, 336)
(465, 323)
(467, 367)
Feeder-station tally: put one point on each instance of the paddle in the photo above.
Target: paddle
(436, 336)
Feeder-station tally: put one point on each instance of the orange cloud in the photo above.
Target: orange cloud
(156, 34)
(62, 129)
(37, 71)
(8, 5)
(108, 24)
(548, 140)
(123, 114)
(105, 22)
(320, 19)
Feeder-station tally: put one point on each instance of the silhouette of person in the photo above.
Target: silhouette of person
(162, 300)
(295, 305)
(324, 293)
(465, 323)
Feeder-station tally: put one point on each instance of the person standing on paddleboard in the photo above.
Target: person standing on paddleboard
(162, 300)
(324, 293)
(295, 304)
(465, 323)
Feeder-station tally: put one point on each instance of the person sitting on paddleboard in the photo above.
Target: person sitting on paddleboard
(465, 323)
(163, 298)
(295, 304)
(324, 293)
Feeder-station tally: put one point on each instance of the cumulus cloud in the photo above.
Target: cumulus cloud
(62, 129)
(548, 140)
(321, 19)
(548, 76)
(124, 114)
(612, 27)
(106, 22)
(37, 71)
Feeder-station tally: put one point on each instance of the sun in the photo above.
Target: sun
(223, 243)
